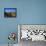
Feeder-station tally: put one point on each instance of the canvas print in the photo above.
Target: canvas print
(33, 32)
(10, 12)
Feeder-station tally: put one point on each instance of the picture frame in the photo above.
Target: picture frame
(10, 12)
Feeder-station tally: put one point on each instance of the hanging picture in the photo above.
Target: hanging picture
(10, 12)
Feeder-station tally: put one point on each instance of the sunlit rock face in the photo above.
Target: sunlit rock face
(10, 14)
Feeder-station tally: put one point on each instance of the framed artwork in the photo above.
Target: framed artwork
(32, 32)
(10, 12)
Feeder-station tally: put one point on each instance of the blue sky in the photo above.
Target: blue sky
(10, 9)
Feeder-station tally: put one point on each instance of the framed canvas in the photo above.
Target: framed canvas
(10, 12)
(32, 32)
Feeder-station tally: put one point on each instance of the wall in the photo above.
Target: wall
(33, 12)
(7, 25)
(28, 12)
